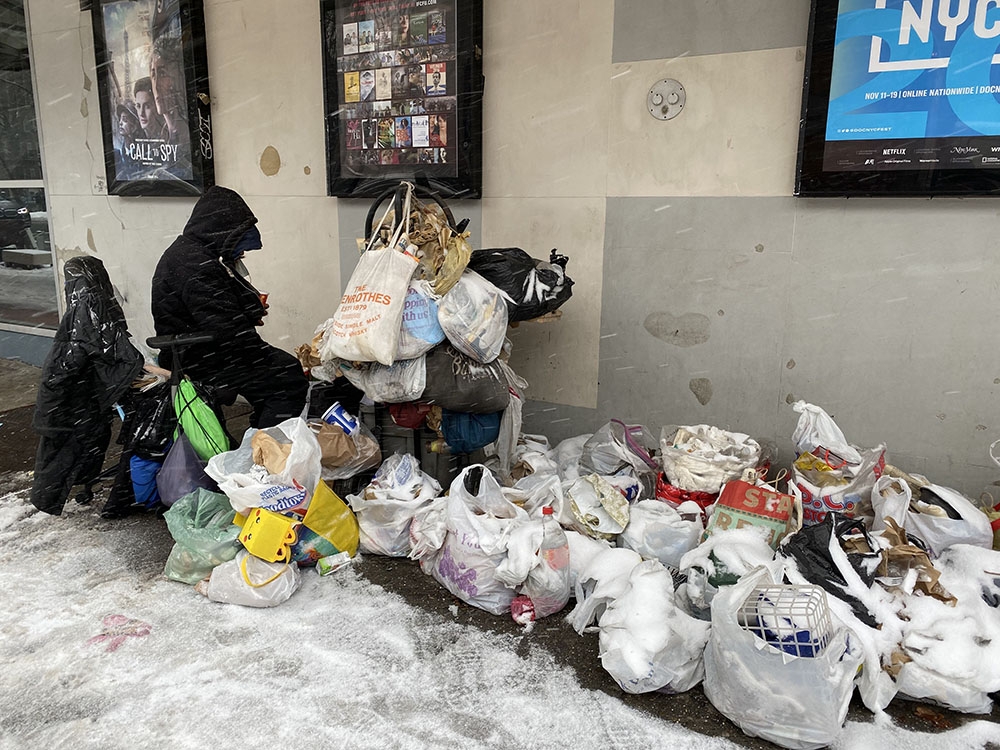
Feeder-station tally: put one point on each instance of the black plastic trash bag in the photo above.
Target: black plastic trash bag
(460, 383)
(811, 549)
(150, 422)
(537, 287)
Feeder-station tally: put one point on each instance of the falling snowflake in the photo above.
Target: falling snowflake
(117, 628)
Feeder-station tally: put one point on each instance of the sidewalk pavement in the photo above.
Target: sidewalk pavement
(150, 543)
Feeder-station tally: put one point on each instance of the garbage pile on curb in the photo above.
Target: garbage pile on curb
(892, 584)
(780, 597)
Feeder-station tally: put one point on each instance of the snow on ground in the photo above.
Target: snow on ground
(99, 654)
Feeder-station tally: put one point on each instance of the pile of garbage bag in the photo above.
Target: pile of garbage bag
(895, 593)
(423, 322)
(780, 597)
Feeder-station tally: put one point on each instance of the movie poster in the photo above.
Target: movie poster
(915, 84)
(147, 91)
(395, 60)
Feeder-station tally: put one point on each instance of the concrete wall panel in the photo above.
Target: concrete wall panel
(545, 116)
(657, 31)
(737, 133)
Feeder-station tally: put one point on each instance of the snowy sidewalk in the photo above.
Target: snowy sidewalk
(102, 652)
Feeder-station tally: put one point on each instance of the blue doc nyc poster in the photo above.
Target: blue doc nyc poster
(918, 81)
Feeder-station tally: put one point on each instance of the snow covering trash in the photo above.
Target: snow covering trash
(891, 587)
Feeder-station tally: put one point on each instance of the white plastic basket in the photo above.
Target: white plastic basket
(794, 619)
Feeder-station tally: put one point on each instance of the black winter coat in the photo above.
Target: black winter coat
(91, 364)
(196, 288)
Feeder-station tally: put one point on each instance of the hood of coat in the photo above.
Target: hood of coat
(87, 282)
(218, 221)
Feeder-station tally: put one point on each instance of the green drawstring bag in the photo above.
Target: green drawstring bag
(196, 419)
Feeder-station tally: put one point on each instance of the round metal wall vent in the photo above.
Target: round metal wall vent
(666, 99)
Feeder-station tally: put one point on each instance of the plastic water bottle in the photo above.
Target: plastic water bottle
(546, 589)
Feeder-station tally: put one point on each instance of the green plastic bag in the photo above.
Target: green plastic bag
(201, 524)
(197, 420)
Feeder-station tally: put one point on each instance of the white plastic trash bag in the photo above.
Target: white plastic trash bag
(248, 485)
(253, 582)
(939, 516)
(951, 651)
(658, 531)
(646, 642)
(702, 458)
(385, 508)
(599, 583)
(816, 429)
(480, 523)
(473, 315)
(402, 381)
(793, 701)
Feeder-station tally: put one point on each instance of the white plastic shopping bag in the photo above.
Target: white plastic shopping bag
(248, 485)
(385, 508)
(795, 701)
(658, 531)
(253, 582)
(646, 642)
(480, 523)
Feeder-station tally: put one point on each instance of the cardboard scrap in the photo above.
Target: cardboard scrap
(901, 557)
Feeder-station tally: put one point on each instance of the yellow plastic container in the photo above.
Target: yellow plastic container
(269, 535)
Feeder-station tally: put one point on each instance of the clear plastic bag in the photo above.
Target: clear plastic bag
(386, 507)
(400, 382)
(252, 582)
(473, 316)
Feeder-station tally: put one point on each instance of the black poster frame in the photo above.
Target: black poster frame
(177, 157)
(454, 169)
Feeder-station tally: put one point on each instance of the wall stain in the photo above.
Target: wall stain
(702, 390)
(270, 161)
(758, 248)
(306, 169)
(689, 329)
(942, 415)
(790, 364)
(90, 239)
(981, 427)
(790, 398)
(721, 313)
(87, 83)
(84, 109)
(996, 381)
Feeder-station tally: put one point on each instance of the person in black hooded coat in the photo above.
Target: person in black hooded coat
(198, 287)
(90, 366)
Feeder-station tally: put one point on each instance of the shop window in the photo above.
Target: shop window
(27, 281)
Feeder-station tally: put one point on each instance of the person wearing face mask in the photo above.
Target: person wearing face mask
(200, 286)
